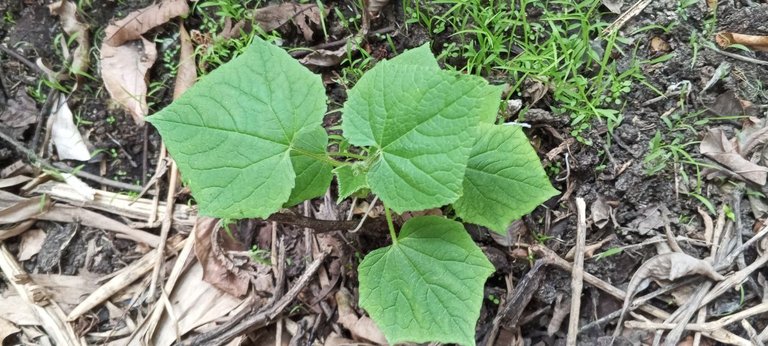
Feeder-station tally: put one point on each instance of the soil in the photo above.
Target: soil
(611, 168)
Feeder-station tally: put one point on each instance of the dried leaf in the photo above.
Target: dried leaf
(665, 267)
(67, 17)
(13, 181)
(7, 329)
(16, 310)
(194, 304)
(215, 269)
(186, 74)
(20, 112)
(515, 230)
(138, 22)
(324, 57)
(614, 5)
(303, 16)
(649, 220)
(69, 143)
(375, 6)
(755, 42)
(716, 146)
(23, 209)
(535, 90)
(31, 243)
(124, 71)
(659, 45)
(68, 289)
(360, 327)
(601, 212)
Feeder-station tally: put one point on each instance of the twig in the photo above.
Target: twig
(338, 43)
(365, 216)
(21, 59)
(577, 275)
(248, 321)
(130, 274)
(320, 226)
(62, 167)
(158, 309)
(735, 56)
(167, 221)
(634, 10)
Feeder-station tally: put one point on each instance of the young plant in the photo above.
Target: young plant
(248, 139)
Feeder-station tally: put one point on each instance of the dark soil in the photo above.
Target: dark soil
(611, 168)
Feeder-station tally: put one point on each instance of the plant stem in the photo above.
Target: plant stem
(351, 155)
(390, 224)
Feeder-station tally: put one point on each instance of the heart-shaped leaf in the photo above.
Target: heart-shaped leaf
(247, 133)
(426, 286)
(419, 121)
(504, 179)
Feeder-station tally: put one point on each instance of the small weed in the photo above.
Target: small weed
(608, 253)
(111, 120)
(260, 255)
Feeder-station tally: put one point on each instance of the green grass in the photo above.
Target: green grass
(555, 43)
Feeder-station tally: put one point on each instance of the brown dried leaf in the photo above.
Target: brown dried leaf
(216, 271)
(303, 16)
(659, 45)
(601, 212)
(186, 74)
(74, 28)
(23, 209)
(755, 42)
(665, 267)
(515, 230)
(124, 71)
(194, 304)
(31, 243)
(138, 22)
(15, 309)
(375, 6)
(20, 112)
(324, 57)
(717, 147)
(68, 289)
(360, 327)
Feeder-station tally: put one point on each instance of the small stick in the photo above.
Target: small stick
(626, 16)
(577, 275)
(167, 221)
(62, 167)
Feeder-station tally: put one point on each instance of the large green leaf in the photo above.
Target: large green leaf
(242, 134)
(419, 119)
(428, 285)
(504, 179)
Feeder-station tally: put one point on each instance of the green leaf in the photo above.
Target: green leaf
(419, 121)
(242, 133)
(428, 285)
(421, 56)
(351, 178)
(313, 172)
(504, 179)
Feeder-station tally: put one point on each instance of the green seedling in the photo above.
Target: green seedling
(249, 140)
